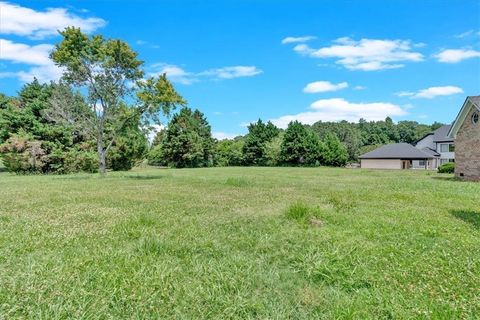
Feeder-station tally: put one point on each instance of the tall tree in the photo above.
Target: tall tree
(259, 134)
(300, 146)
(333, 152)
(188, 141)
(110, 76)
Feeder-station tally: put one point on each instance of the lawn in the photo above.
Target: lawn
(277, 243)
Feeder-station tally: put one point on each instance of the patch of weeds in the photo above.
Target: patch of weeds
(238, 182)
(341, 203)
(5, 219)
(297, 211)
(150, 245)
(303, 214)
(133, 228)
(146, 220)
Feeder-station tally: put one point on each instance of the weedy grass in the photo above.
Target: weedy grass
(240, 243)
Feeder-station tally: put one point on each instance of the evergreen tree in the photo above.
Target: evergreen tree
(333, 152)
(188, 141)
(259, 134)
(300, 146)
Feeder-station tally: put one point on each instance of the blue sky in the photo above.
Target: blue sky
(238, 61)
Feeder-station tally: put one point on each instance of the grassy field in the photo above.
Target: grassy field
(225, 243)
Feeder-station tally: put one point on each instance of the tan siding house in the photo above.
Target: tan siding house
(396, 156)
(466, 131)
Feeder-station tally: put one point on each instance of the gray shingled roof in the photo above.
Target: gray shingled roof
(441, 134)
(397, 151)
(431, 152)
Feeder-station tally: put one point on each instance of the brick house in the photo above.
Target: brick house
(466, 132)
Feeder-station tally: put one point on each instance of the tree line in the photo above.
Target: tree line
(98, 117)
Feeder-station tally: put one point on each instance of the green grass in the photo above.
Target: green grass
(276, 243)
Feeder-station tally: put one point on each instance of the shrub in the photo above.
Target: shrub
(448, 167)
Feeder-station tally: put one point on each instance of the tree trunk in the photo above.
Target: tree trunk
(102, 166)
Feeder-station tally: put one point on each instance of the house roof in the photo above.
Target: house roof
(441, 134)
(469, 102)
(431, 152)
(397, 151)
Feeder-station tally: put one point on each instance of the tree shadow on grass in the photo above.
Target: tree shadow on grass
(146, 177)
(449, 178)
(469, 216)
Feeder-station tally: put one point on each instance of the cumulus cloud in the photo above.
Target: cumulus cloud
(324, 86)
(174, 73)
(365, 54)
(431, 92)
(23, 53)
(297, 39)
(337, 109)
(179, 75)
(219, 135)
(456, 55)
(23, 21)
(41, 67)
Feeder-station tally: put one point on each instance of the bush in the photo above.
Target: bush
(448, 167)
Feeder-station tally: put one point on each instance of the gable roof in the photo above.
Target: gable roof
(431, 152)
(469, 102)
(441, 134)
(397, 151)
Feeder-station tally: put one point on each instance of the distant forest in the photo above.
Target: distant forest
(32, 142)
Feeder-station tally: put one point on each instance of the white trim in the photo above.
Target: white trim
(461, 117)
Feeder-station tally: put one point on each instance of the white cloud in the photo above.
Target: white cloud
(365, 54)
(44, 73)
(431, 92)
(174, 73)
(360, 88)
(23, 21)
(23, 53)
(324, 86)
(219, 135)
(340, 109)
(297, 39)
(41, 68)
(464, 34)
(456, 55)
(179, 75)
(232, 72)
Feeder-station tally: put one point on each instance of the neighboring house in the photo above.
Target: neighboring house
(439, 145)
(466, 132)
(396, 156)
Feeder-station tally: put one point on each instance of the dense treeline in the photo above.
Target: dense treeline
(99, 113)
(30, 142)
(363, 136)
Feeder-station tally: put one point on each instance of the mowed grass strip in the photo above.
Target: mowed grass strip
(303, 243)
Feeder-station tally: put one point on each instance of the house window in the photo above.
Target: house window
(475, 117)
(447, 147)
(421, 163)
(443, 161)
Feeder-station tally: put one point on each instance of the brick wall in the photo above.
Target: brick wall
(467, 149)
